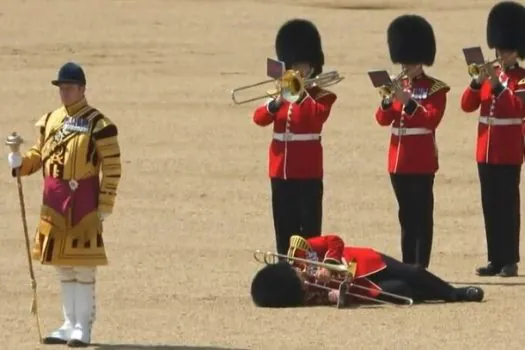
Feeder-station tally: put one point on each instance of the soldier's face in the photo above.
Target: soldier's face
(508, 57)
(412, 69)
(302, 277)
(71, 93)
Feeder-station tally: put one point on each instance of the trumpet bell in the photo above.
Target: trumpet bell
(474, 70)
(385, 91)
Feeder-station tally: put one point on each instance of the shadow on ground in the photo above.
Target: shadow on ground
(160, 347)
(508, 284)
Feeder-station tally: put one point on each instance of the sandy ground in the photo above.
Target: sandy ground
(194, 199)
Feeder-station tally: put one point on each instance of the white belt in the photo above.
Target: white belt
(410, 131)
(295, 137)
(500, 121)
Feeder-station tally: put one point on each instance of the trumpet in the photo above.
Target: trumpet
(344, 273)
(387, 91)
(475, 70)
(290, 86)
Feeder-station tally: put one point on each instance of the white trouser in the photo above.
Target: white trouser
(78, 303)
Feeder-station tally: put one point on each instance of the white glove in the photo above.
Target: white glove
(15, 160)
(102, 216)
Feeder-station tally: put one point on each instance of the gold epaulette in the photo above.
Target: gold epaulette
(101, 123)
(437, 85)
(41, 122)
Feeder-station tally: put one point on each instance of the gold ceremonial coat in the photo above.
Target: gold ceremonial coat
(78, 152)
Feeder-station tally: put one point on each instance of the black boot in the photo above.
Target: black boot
(489, 270)
(510, 270)
(469, 294)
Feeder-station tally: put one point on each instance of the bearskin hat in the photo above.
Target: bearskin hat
(506, 27)
(277, 286)
(411, 40)
(298, 40)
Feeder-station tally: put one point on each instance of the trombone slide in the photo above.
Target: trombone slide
(407, 301)
(270, 93)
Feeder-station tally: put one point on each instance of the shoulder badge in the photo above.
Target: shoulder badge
(437, 85)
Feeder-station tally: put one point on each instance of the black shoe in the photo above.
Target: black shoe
(73, 343)
(510, 270)
(489, 270)
(341, 300)
(470, 294)
(53, 341)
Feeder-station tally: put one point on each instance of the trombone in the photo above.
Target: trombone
(387, 91)
(290, 86)
(345, 274)
(475, 70)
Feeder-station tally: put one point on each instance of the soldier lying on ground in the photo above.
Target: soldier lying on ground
(287, 285)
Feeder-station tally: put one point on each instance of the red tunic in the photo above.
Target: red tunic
(331, 249)
(413, 147)
(500, 127)
(296, 151)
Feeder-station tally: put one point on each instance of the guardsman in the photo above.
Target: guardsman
(296, 153)
(78, 152)
(413, 112)
(499, 151)
(283, 284)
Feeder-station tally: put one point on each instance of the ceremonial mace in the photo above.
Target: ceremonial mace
(14, 141)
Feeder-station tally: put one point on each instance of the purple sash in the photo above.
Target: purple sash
(80, 196)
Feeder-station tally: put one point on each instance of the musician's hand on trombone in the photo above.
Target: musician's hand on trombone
(481, 77)
(400, 94)
(323, 275)
(491, 74)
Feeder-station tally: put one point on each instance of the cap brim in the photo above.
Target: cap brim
(65, 81)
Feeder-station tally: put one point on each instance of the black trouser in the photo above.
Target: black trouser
(412, 281)
(415, 197)
(500, 199)
(297, 209)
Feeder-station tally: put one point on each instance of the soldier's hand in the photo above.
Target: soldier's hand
(492, 75)
(401, 95)
(323, 275)
(482, 76)
(15, 160)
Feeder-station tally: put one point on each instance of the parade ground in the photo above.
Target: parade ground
(194, 199)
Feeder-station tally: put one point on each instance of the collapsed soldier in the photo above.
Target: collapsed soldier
(289, 284)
